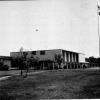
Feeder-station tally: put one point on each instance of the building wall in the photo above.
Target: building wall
(15, 54)
(81, 58)
(49, 54)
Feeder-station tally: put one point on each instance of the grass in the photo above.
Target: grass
(13, 72)
(65, 84)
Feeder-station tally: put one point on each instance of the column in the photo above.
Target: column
(75, 57)
(77, 65)
(68, 56)
(67, 59)
(43, 65)
(53, 66)
(65, 56)
(72, 58)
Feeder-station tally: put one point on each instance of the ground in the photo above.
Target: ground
(58, 84)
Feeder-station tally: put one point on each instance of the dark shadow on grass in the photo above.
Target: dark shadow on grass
(89, 92)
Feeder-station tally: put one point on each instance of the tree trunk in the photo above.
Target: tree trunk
(53, 66)
(21, 72)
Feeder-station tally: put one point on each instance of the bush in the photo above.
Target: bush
(4, 67)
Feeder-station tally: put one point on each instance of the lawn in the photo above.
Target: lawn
(58, 84)
(14, 72)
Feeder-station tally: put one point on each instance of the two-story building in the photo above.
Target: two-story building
(69, 59)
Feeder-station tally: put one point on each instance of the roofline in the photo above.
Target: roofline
(72, 51)
(5, 57)
(37, 50)
(50, 50)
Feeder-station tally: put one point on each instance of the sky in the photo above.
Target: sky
(49, 24)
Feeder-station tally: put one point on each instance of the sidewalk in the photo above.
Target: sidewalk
(4, 77)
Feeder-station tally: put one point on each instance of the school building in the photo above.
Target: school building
(47, 58)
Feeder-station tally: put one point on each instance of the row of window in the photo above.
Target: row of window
(34, 53)
(41, 52)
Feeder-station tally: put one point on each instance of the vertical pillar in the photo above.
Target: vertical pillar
(43, 65)
(72, 57)
(65, 57)
(66, 66)
(69, 56)
(73, 66)
(77, 65)
(53, 66)
(75, 58)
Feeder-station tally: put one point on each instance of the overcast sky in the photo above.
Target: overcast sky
(49, 24)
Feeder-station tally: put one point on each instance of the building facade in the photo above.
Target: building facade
(68, 57)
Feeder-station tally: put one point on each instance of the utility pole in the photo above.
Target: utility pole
(98, 14)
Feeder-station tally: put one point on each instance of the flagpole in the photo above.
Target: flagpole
(98, 27)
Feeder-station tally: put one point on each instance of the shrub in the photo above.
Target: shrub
(4, 67)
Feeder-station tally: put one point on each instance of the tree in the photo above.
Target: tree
(29, 61)
(25, 61)
(20, 60)
(98, 60)
(58, 59)
(93, 60)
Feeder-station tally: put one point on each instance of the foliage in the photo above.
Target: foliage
(3, 67)
(58, 59)
(93, 60)
(25, 61)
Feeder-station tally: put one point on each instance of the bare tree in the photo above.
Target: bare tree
(20, 60)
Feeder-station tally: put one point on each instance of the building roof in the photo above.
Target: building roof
(5, 57)
(50, 50)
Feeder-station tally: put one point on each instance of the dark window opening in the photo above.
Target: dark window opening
(42, 52)
(34, 52)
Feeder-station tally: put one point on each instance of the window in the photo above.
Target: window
(34, 52)
(42, 52)
(25, 53)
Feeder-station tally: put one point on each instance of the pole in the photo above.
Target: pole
(98, 27)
